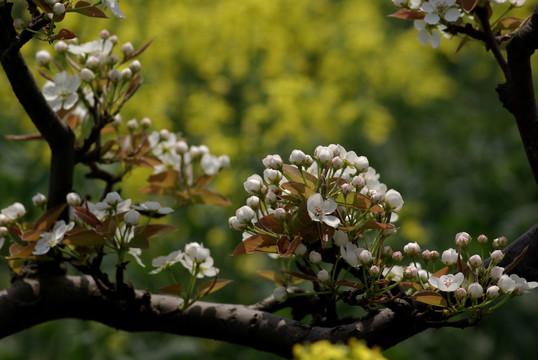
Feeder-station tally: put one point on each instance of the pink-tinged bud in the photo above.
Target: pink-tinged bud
(492, 292)
(460, 293)
(297, 157)
(475, 291)
(462, 239)
(365, 257)
(113, 39)
(358, 182)
(497, 272)
(412, 249)
(500, 242)
(323, 276)
(300, 250)
(104, 34)
(272, 162)
(315, 257)
(337, 163)
(397, 256)
(434, 255)
(411, 272)
(346, 188)
(475, 261)
(482, 239)
(496, 256)
(135, 66)
(323, 154)
(145, 123)
(374, 271)
(280, 214)
(426, 255)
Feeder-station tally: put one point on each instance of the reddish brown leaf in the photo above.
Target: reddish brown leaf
(87, 217)
(294, 174)
(48, 218)
(208, 197)
(301, 276)
(441, 272)
(166, 178)
(269, 222)
(173, 289)
(286, 248)
(89, 11)
(152, 230)
(430, 298)
(20, 251)
(210, 286)
(31, 235)
(408, 14)
(298, 188)
(256, 243)
(139, 51)
(64, 34)
(24, 137)
(85, 238)
(469, 5)
(350, 284)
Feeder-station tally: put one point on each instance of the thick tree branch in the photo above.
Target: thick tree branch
(58, 135)
(517, 94)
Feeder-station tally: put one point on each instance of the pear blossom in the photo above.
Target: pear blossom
(319, 210)
(297, 157)
(492, 292)
(350, 253)
(340, 238)
(506, 284)
(300, 250)
(395, 273)
(136, 252)
(164, 262)
(449, 257)
(272, 162)
(73, 199)
(526, 286)
(153, 207)
(426, 35)
(440, 9)
(448, 282)
(196, 259)
(114, 8)
(99, 49)
(323, 276)
(131, 217)
(462, 239)
(210, 164)
(245, 214)
(52, 238)
(496, 272)
(43, 57)
(394, 200)
(412, 249)
(254, 184)
(13, 213)
(62, 92)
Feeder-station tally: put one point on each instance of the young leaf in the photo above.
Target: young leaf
(210, 286)
(301, 276)
(270, 275)
(89, 11)
(87, 217)
(173, 289)
(258, 243)
(269, 222)
(48, 218)
(350, 284)
(286, 248)
(20, 251)
(85, 238)
(64, 34)
(138, 52)
(166, 178)
(509, 23)
(298, 188)
(430, 298)
(208, 197)
(294, 174)
(441, 272)
(469, 5)
(139, 242)
(154, 230)
(407, 14)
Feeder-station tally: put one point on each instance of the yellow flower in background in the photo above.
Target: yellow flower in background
(356, 350)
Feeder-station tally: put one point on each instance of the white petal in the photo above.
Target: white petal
(332, 221)
(432, 19)
(424, 37)
(435, 39)
(70, 101)
(452, 14)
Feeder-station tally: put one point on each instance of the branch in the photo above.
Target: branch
(517, 95)
(58, 135)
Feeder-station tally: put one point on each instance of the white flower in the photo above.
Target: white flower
(114, 7)
(394, 200)
(425, 35)
(395, 273)
(50, 239)
(272, 176)
(399, 3)
(526, 285)
(98, 49)
(210, 164)
(196, 259)
(324, 154)
(492, 292)
(13, 212)
(350, 253)
(39, 199)
(340, 238)
(153, 207)
(62, 92)
(506, 284)
(440, 9)
(164, 262)
(319, 210)
(518, 3)
(58, 9)
(448, 282)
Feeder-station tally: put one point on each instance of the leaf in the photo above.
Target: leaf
(509, 23)
(256, 243)
(301, 276)
(285, 248)
(166, 178)
(87, 217)
(145, 161)
(516, 260)
(210, 286)
(294, 174)
(350, 284)
(462, 43)
(270, 275)
(20, 251)
(440, 272)
(208, 197)
(407, 14)
(31, 235)
(469, 5)
(430, 298)
(202, 180)
(48, 218)
(173, 289)
(411, 285)
(357, 200)
(298, 188)
(89, 11)
(85, 238)
(152, 230)
(139, 242)
(135, 84)
(377, 225)
(138, 52)
(16, 265)
(269, 222)
(64, 34)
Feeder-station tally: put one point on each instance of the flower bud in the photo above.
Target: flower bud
(253, 201)
(492, 292)
(131, 217)
(387, 251)
(397, 256)
(460, 293)
(346, 188)
(280, 294)
(323, 154)
(496, 256)
(323, 276)
(482, 239)
(104, 34)
(450, 257)
(365, 257)
(73, 199)
(235, 224)
(300, 250)
(224, 161)
(411, 272)
(92, 63)
(297, 157)
(315, 257)
(375, 196)
(113, 198)
(496, 272)
(135, 66)
(58, 9)
(272, 162)
(3, 231)
(114, 75)
(113, 39)
(475, 290)
(126, 74)
(500, 242)
(132, 125)
(39, 199)
(412, 249)
(462, 239)
(434, 255)
(43, 57)
(358, 182)
(86, 75)
(254, 184)
(393, 200)
(181, 147)
(426, 255)
(475, 261)
(60, 47)
(361, 163)
(280, 214)
(337, 163)
(127, 49)
(245, 214)
(112, 59)
(145, 123)
(374, 271)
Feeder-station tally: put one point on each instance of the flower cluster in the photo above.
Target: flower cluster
(431, 17)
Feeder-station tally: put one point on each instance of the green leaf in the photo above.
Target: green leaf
(175, 289)
(89, 11)
(294, 174)
(298, 189)
(430, 298)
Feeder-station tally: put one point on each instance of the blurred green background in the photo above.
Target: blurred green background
(254, 77)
